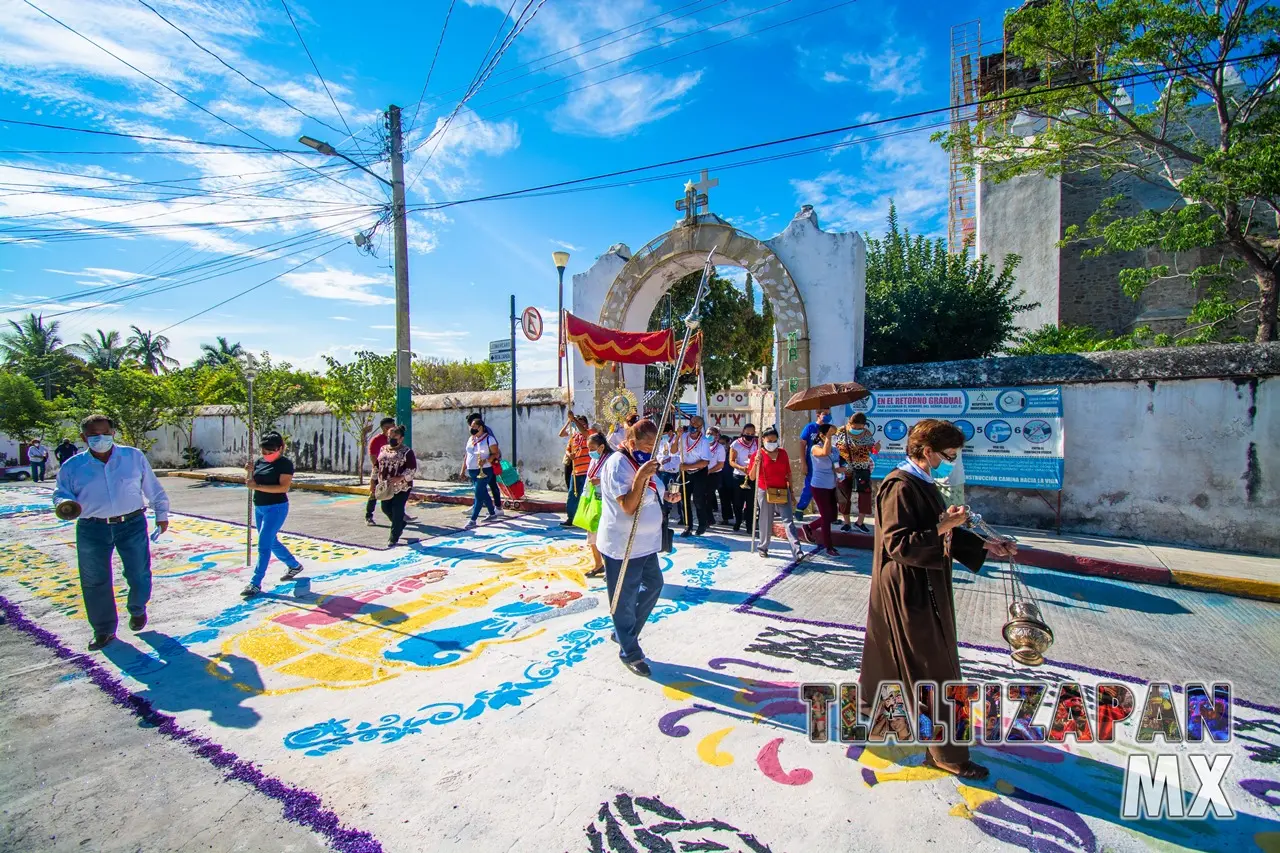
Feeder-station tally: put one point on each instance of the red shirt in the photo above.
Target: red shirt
(375, 447)
(774, 473)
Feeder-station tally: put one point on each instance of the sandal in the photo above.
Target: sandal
(969, 770)
(595, 573)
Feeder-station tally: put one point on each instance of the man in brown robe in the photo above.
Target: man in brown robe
(911, 627)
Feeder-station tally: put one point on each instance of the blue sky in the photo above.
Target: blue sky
(523, 128)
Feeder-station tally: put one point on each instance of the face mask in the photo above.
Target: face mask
(475, 431)
(272, 456)
(771, 446)
(942, 469)
(641, 456)
(595, 454)
(858, 429)
(394, 442)
(101, 443)
(824, 419)
(748, 438)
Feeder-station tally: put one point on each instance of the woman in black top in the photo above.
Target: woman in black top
(270, 478)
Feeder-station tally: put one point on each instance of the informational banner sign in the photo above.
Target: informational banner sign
(1013, 436)
(500, 351)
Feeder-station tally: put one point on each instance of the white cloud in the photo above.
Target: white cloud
(343, 319)
(895, 69)
(833, 77)
(342, 285)
(565, 244)
(909, 170)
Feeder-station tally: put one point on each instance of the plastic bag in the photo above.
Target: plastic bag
(588, 515)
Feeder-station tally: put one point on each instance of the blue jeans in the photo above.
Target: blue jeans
(640, 590)
(269, 519)
(576, 488)
(806, 494)
(95, 541)
(37, 471)
(481, 486)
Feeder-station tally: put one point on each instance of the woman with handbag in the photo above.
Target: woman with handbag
(394, 471)
(600, 450)
(771, 469)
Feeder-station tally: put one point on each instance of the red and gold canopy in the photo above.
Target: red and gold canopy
(600, 346)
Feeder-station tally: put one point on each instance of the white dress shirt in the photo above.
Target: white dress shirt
(693, 451)
(716, 457)
(116, 487)
(743, 451)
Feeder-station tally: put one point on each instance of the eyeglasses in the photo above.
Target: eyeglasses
(951, 458)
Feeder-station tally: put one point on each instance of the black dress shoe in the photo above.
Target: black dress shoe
(639, 667)
(137, 623)
(686, 534)
(702, 531)
(100, 640)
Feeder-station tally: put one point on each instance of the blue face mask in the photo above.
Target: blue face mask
(641, 456)
(824, 419)
(101, 443)
(942, 469)
(595, 454)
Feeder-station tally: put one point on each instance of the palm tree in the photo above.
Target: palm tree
(149, 350)
(30, 339)
(223, 353)
(105, 352)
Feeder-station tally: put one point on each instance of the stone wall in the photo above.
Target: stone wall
(318, 443)
(1177, 445)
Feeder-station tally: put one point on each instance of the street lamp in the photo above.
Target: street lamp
(561, 260)
(404, 355)
(250, 374)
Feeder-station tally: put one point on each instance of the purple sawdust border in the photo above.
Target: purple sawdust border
(300, 806)
(748, 607)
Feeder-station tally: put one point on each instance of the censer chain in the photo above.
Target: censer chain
(1015, 586)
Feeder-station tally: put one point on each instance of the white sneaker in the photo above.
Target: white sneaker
(499, 513)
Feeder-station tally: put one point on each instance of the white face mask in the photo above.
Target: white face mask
(771, 446)
(100, 443)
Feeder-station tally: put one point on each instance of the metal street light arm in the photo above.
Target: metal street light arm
(329, 151)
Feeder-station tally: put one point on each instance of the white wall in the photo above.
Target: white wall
(1193, 462)
(439, 433)
(1023, 216)
(829, 270)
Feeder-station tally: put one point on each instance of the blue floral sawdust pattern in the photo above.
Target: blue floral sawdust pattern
(334, 734)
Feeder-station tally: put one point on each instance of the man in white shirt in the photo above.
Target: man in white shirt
(668, 456)
(740, 453)
(107, 487)
(630, 502)
(717, 465)
(695, 456)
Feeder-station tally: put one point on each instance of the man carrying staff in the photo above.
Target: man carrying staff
(577, 429)
(695, 456)
(106, 487)
(740, 453)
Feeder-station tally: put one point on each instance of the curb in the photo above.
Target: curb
(528, 505)
(1078, 565)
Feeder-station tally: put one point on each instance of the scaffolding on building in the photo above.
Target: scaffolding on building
(966, 49)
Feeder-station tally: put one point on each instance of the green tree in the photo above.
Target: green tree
(34, 348)
(23, 411)
(135, 400)
(185, 388)
(1207, 131)
(150, 351)
(735, 339)
(358, 391)
(924, 304)
(440, 376)
(102, 350)
(276, 390)
(223, 353)
(1057, 340)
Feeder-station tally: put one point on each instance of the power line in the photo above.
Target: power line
(303, 42)
(448, 14)
(111, 184)
(173, 91)
(251, 289)
(235, 70)
(1151, 75)
(133, 135)
(479, 80)
(597, 38)
(244, 152)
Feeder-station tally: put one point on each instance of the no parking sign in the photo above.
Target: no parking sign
(531, 322)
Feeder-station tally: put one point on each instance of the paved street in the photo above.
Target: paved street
(460, 693)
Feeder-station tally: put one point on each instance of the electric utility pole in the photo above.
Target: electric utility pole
(404, 384)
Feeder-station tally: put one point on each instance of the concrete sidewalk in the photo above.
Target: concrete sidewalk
(1245, 575)
(439, 491)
